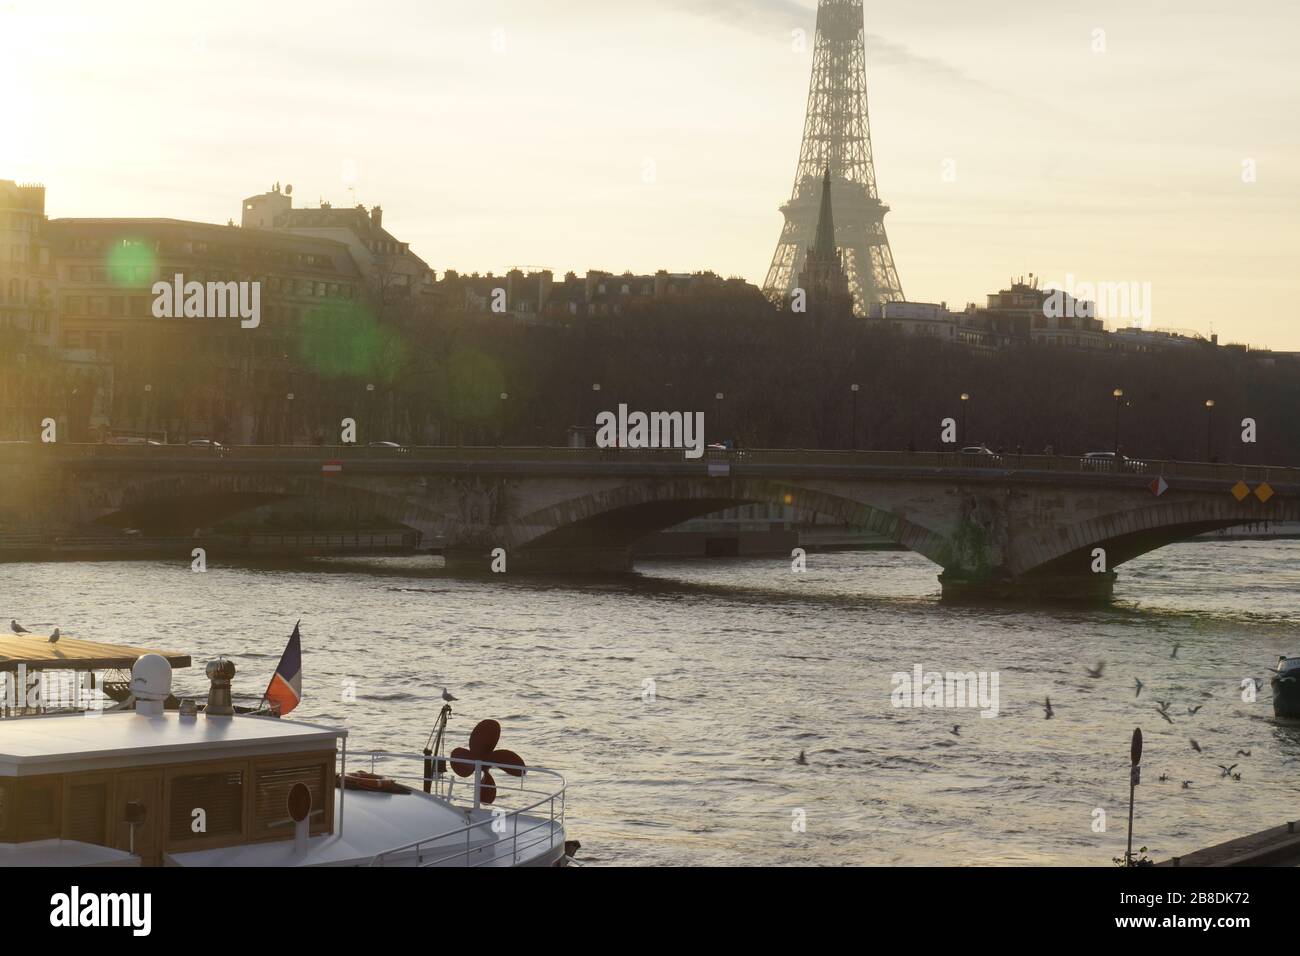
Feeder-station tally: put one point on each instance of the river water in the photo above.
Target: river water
(676, 701)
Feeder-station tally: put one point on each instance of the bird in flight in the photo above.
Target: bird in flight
(1137, 682)
(1237, 777)
(1227, 771)
(17, 628)
(1162, 705)
(1243, 753)
(1096, 671)
(1165, 715)
(1186, 784)
(448, 697)
(54, 638)
(1163, 777)
(1048, 713)
(801, 759)
(1192, 710)
(1175, 652)
(1196, 746)
(956, 730)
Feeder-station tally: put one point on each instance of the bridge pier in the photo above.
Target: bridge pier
(580, 560)
(1095, 588)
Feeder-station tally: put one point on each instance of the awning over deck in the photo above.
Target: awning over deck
(72, 654)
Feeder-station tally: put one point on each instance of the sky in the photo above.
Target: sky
(1121, 141)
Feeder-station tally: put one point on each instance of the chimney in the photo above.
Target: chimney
(377, 216)
(220, 704)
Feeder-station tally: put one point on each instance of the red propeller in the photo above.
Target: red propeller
(482, 747)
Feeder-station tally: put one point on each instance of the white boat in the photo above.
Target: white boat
(150, 786)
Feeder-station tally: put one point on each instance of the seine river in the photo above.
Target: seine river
(677, 701)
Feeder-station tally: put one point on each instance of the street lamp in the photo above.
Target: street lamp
(965, 403)
(148, 411)
(1119, 401)
(1209, 429)
(289, 399)
(853, 433)
(501, 426)
(370, 409)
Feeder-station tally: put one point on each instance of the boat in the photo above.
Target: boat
(148, 786)
(1286, 688)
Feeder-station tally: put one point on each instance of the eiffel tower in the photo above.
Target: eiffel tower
(837, 136)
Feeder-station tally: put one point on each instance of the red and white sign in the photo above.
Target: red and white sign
(331, 467)
(1159, 486)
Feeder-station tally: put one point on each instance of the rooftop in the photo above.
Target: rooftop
(66, 743)
(37, 653)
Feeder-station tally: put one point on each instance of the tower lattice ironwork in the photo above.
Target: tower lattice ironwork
(837, 136)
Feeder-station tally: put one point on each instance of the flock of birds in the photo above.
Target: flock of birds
(19, 629)
(1162, 708)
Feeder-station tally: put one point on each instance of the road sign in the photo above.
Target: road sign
(1264, 492)
(1159, 486)
(331, 467)
(1240, 490)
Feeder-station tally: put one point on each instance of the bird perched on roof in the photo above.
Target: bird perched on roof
(447, 697)
(17, 628)
(54, 638)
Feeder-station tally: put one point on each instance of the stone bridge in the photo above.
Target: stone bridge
(1001, 527)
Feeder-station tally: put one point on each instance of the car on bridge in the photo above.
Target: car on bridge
(1111, 461)
(981, 455)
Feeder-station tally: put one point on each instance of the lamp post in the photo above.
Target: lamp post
(501, 427)
(1119, 401)
(289, 427)
(965, 403)
(148, 411)
(853, 434)
(370, 408)
(1209, 429)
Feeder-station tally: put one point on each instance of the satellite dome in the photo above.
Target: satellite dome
(151, 678)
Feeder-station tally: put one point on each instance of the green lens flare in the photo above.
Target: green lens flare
(131, 263)
(340, 339)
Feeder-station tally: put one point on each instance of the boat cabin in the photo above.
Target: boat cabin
(152, 784)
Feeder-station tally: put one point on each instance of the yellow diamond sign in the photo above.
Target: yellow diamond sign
(1240, 490)
(1264, 492)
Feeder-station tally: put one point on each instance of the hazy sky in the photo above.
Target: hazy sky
(498, 133)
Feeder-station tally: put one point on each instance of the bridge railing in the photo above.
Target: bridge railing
(318, 456)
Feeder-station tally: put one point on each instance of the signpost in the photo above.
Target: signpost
(1135, 777)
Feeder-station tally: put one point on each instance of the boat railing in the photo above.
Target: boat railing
(533, 815)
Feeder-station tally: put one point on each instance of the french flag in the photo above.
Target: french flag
(285, 689)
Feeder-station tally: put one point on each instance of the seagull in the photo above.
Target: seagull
(801, 759)
(1096, 671)
(1186, 784)
(1165, 715)
(1137, 682)
(1162, 705)
(17, 628)
(54, 638)
(1236, 776)
(956, 730)
(1047, 710)
(1175, 653)
(1227, 771)
(1243, 753)
(1163, 777)
(1196, 746)
(447, 697)
(1192, 710)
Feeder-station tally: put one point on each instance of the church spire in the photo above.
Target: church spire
(824, 244)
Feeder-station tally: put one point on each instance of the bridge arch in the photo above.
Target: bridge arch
(615, 517)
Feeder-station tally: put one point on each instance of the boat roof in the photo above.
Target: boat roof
(69, 743)
(70, 653)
